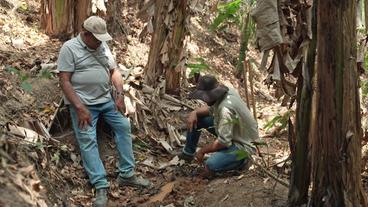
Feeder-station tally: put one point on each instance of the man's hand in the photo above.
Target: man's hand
(199, 156)
(84, 117)
(119, 103)
(83, 114)
(192, 121)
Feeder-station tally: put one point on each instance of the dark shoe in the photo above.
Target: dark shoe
(185, 157)
(101, 198)
(134, 181)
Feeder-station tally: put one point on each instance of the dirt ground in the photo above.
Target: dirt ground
(52, 174)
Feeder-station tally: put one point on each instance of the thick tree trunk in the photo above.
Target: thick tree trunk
(175, 66)
(113, 16)
(64, 18)
(336, 135)
(167, 45)
(154, 66)
(57, 17)
(82, 10)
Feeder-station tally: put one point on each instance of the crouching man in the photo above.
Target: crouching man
(228, 118)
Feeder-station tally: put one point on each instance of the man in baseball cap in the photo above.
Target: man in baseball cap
(87, 70)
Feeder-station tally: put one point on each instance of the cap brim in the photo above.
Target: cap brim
(209, 96)
(103, 37)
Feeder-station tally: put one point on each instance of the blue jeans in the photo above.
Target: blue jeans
(87, 141)
(222, 160)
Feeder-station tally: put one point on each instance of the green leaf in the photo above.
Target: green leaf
(281, 119)
(56, 157)
(40, 146)
(12, 70)
(260, 143)
(64, 148)
(240, 154)
(24, 77)
(197, 66)
(365, 88)
(272, 123)
(26, 86)
(233, 121)
(45, 74)
(226, 11)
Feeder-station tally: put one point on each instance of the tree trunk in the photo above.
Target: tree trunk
(244, 38)
(64, 18)
(301, 164)
(154, 66)
(167, 45)
(82, 10)
(57, 17)
(335, 122)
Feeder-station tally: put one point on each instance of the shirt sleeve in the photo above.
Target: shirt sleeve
(65, 62)
(227, 120)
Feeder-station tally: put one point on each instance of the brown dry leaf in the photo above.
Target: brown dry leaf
(165, 190)
(115, 194)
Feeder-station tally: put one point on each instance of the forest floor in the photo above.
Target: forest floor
(50, 173)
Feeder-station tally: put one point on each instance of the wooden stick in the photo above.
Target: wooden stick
(246, 82)
(252, 91)
(282, 182)
(55, 115)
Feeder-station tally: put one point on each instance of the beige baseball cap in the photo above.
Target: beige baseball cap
(97, 26)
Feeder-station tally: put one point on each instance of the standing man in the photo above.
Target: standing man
(228, 118)
(87, 70)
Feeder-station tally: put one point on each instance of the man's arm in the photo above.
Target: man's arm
(84, 116)
(225, 133)
(193, 117)
(213, 147)
(117, 81)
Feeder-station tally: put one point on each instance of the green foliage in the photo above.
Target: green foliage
(23, 77)
(364, 83)
(365, 88)
(366, 63)
(279, 119)
(26, 86)
(197, 67)
(140, 144)
(23, 7)
(227, 12)
(40, 146)
(259, 143)
(12, 70)
(233, 121)
(45, 73)
(241, 154)
(64, 148)
(56, 157)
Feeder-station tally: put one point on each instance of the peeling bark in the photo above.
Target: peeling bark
(167, 45)
(336, 134)
(301, 163)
